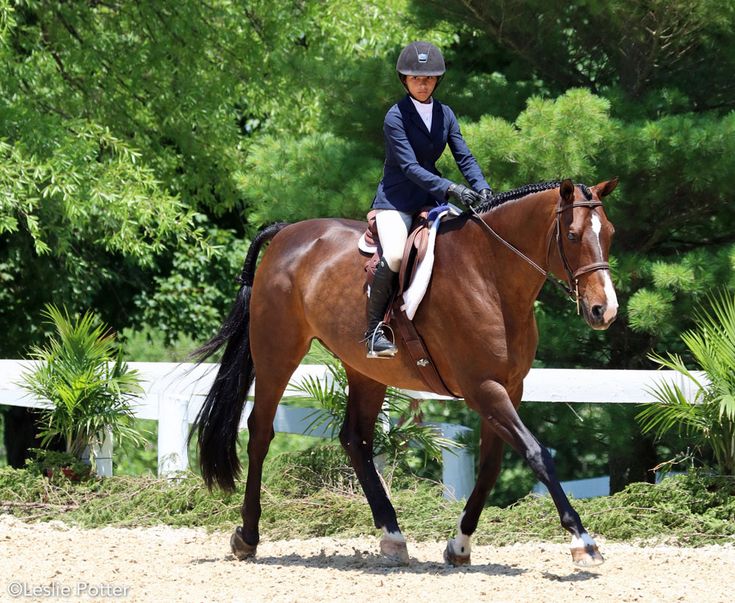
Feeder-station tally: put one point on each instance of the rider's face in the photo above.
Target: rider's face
(421, 87)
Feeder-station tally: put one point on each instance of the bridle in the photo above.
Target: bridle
(573, 276)
(571, 287)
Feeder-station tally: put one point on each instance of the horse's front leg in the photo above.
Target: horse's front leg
(492, 401)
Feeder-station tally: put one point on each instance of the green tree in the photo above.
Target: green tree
(121, 123)
(635, 46)
(669, 140)
(129, 132)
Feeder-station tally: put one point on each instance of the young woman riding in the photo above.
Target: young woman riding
(417, 129)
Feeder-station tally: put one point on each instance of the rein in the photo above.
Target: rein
(571, 287)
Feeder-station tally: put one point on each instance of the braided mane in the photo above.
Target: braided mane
(526, 189)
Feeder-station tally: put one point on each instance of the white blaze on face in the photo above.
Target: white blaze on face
(611, 308)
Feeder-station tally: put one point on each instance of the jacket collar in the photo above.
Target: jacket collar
(407, 108)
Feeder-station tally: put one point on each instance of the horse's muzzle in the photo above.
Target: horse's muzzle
(599, 316)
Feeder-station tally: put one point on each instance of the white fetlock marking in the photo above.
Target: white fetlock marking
(394, 536)
(461, 542)
(580, 543)
(461, 545)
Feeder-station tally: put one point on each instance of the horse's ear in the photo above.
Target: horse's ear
(605, 188)
(566, 190)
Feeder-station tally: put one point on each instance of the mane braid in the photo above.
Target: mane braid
(524, 190)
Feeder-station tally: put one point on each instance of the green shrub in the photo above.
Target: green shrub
(707, 420)
(303, 473)
(82, 374)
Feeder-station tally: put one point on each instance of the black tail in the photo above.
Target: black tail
(219, 418)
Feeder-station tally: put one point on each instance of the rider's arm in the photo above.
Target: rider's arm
(465, 159)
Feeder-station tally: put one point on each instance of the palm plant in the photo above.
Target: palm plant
(392, 439)
(709, 417)
(81, 373)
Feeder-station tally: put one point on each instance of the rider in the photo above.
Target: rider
(416, 131)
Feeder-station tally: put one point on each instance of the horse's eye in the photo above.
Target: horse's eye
(571, 236)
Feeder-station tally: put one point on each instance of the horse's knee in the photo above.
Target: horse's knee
(540, 460)
(534, 455)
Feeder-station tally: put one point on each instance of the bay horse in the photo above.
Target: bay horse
(477, 320)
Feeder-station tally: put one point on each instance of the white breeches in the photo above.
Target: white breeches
(393, 226)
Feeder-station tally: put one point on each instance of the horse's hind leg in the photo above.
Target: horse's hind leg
(491, 400)
(276, 363)
(365, 399)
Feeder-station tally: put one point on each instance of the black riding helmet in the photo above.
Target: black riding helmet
(422, 59)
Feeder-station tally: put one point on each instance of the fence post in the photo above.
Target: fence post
(173, 431)
(458, 464)
(103, 455)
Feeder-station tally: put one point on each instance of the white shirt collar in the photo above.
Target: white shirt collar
(422, 107)
(425, 111)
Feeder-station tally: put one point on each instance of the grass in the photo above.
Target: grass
(313, 493)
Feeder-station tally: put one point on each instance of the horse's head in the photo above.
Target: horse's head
(584, 235)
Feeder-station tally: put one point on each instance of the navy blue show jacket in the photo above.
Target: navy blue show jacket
(410, 177)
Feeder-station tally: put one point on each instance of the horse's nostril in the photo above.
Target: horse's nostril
(598, 311)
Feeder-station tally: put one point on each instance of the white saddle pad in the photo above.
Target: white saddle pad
(415, 293)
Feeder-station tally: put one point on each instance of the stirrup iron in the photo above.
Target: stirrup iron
(372, 338)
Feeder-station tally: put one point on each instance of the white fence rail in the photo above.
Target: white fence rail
(174, 394)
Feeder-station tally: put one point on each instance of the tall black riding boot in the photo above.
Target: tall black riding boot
(384, 284)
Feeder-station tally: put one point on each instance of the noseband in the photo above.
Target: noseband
(571, 287)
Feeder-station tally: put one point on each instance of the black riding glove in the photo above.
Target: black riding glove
(466, 196)
(486, 194)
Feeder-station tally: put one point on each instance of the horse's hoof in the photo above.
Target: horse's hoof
(394, 551)
(241, 549)
(587, 556)
(451, 557)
